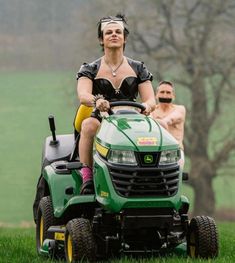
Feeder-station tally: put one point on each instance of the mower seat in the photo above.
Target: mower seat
(57, 152)
(82, 113)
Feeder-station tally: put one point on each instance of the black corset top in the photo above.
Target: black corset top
(127, 90)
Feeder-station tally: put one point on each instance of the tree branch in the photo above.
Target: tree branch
(167, 12)
(218, 89)
(222, 156)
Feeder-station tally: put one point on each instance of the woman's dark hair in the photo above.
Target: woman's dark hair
(119, 17)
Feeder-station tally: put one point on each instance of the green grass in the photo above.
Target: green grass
(26, 100)
(18, 245)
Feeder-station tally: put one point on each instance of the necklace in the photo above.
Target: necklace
(114, 70)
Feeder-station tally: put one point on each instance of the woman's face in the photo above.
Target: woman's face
(113, 36)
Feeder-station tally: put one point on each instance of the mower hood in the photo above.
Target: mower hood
(134, 132)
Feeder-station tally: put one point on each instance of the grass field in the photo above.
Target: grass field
(26, 100)
(18, 245)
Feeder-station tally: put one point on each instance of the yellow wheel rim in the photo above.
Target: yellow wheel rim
(41, 230)
(192, 246)
(69, 248)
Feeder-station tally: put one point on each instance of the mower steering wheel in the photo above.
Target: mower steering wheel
(126, 103)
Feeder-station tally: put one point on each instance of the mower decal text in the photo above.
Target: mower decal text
(104, 194)
(59, 236)
(147, 141)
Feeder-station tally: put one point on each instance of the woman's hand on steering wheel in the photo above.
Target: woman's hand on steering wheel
(102, 105)
(147, 110)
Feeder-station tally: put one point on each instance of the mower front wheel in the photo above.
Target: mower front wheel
(202, 238)
(79, 241)
(45, 219)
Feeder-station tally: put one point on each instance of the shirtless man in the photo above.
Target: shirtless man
(169, 115)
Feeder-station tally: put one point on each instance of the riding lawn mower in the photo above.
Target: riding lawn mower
(137, 206)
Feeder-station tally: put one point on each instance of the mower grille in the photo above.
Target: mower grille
(147, 182)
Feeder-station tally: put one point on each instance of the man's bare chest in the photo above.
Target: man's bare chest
(160, 114)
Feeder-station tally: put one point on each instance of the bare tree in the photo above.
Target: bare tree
(194, 41)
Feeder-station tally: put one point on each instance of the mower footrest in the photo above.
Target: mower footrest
(56, 232)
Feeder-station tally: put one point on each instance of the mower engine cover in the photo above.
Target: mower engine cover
(136, 164)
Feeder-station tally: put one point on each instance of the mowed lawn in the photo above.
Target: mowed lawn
(18, 245)
(26, 100)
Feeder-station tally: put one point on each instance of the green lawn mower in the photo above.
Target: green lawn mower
(137, 207)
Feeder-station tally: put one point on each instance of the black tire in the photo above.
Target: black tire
(45, 219)
(202, 238)
(79, 241)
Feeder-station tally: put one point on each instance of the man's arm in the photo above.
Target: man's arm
(176, 116)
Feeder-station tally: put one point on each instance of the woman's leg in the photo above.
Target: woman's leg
(88, 131)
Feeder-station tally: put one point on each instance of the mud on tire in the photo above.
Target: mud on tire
(202, 238)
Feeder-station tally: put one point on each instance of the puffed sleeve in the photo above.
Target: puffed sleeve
(143, 73)
(86, 70)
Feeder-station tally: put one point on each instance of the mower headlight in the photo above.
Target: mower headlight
(122, 157)
(169, 157)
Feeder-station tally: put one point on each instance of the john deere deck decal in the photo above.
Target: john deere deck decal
(147, 141)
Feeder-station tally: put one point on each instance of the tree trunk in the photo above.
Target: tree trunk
(201, 178)
(201, 173)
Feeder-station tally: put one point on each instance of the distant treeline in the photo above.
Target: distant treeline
(39, 34)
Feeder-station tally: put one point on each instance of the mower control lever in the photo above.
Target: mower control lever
(52, 128)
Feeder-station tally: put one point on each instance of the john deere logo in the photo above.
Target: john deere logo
(148, 158)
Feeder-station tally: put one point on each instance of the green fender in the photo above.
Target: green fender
(58, 183)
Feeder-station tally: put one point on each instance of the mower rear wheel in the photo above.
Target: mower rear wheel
(202, 238)
(45, 219)
(79, 241)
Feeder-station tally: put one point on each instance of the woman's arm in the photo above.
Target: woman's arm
(147, 96)
(84, 91)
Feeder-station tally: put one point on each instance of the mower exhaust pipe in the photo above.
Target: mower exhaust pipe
(52, 128)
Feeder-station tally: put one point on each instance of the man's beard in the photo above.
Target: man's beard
(165, 100)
